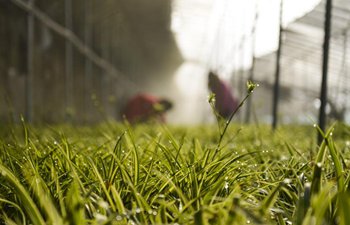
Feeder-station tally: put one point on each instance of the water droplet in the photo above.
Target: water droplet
(287, 181)
(118, 218)
(103, 204)
(180, 206)
(3, 173)
(248, 221)
(226, 185)
(137, 210)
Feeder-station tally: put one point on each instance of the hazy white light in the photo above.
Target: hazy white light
(217, 34)
(192, 106)
(191, 78)
(210, 31)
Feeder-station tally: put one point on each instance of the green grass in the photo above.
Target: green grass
(150, 174)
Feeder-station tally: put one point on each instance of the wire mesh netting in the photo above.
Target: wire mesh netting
(81, 60)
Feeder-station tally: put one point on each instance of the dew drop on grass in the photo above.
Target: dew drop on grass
(3, 173)
(103, 204)
(226, 186)
(180, 205)
(248, 221)
(138, 210)
(118, 218)
(161, 196)
(315, 125)
(287, 181)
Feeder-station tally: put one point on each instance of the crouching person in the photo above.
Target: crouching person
(145, 107)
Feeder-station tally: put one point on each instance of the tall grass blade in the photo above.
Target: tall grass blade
(317, 172)
(343, 207)
(130, 144)
(335, 155)
(75, 205)
(102, 184)
(28, 203)
(16, 207)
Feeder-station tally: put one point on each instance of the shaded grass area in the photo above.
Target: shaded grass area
(151, 174)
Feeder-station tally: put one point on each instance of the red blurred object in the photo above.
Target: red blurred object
(145, 107)
(225, 102)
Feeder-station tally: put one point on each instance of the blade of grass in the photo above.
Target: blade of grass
(130, 144)
(17, 207)
(316, 177)
(337, 164)
(27, 202)
(102, 184)
(75, 205)
(344, 206)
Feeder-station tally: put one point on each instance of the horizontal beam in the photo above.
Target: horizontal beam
(76, 42)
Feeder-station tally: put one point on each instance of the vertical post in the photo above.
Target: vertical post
(251, 72)
(105, 46)
(88, 65)
(276, 87)
(30, 66)
(326, 43)
(346, 72)
(69, 61)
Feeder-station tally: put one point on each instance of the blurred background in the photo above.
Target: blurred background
(80, 60)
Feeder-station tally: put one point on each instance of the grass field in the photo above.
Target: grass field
(151, 174)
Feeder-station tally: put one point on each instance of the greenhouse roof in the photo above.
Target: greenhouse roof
(302, 53)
